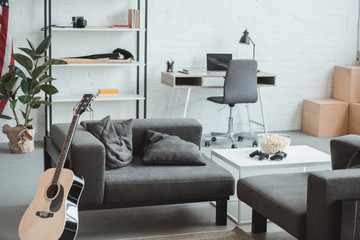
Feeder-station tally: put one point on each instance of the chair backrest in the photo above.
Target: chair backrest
(240, 84)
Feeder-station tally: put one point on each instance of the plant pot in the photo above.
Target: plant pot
(21, 138)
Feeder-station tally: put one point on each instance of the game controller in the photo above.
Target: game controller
(279, 155)
(261, 155)
(255, 153)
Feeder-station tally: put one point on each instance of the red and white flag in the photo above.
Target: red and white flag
(6, 44)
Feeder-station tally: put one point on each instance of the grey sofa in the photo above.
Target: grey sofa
(138, 184)
(307, 205)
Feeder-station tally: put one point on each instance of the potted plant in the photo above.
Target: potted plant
(32, 82)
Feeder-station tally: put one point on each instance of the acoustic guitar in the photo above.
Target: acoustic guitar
(53, 213)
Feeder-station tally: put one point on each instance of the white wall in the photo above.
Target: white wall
(299, 41)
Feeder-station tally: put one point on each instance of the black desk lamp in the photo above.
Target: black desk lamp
(245, 39)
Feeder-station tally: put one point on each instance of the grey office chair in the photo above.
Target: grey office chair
(240, 86)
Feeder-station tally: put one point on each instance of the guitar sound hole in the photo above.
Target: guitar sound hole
(52, 191)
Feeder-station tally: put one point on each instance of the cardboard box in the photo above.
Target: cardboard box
(325, 117)
(346, 84)
(354, 118)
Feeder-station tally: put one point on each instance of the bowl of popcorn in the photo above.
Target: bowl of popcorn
(272, 143)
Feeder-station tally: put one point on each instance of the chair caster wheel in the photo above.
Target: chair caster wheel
(240, 139)
(207, 144)
(234, 146)
(254, 144)
(213, 139)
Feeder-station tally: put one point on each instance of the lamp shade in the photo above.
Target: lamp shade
(245, 38)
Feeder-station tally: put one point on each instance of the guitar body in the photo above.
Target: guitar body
(53, 212)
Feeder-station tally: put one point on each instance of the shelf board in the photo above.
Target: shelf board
(96, 29)
(135, 63)
(121, 97)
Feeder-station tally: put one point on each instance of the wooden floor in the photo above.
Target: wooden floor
(19, 176)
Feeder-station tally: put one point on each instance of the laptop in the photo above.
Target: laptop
(217, 62)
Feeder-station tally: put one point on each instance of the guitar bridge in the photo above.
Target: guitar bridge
(44, 214)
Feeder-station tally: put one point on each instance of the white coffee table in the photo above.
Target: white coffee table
(300, 156)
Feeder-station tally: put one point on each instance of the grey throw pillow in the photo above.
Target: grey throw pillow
(355, 160)
(118, 144)
(164, 149)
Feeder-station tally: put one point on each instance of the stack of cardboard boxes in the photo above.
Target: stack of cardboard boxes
(339, 115)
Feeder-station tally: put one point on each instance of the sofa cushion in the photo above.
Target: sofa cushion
(355, 160)
(117, 145)
(140, 184)
(281, 198)
(166, 149)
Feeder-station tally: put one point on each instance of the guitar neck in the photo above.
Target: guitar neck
(65, 149)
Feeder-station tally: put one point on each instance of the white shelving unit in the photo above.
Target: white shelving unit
(97, 29)
(123, 97)
(101, 64)
(139, 66)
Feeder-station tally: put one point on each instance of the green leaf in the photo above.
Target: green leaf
(17, 71)
(44, 45)
(23, 114)
(24, 87)
(30, 45)
(13, 104)
(25, 99)
(29, 120)
(38, 71)
(31, 53)
(36, 90)
(54, 62)
(45, 103)
(44, 79)
(6, 77)
(5, 117)
(49, 89)
(36, 105)
(23, 60)
(3, 88)
(11, 84)
(4, 97)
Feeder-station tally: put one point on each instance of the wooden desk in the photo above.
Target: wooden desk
(183, 80)
(189, 81)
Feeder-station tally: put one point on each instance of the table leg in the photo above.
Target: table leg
(239, 205)
(172, 103)
(262, 112)
(187, 102)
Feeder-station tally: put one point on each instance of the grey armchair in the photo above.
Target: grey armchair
(240, 86)
(307, 205)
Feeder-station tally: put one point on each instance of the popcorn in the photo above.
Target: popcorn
(274, 142)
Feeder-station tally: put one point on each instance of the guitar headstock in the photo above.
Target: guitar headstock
(84, 104)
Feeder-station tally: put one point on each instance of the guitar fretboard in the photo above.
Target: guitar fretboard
(65, 149)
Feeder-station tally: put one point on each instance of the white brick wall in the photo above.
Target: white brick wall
(299, 41)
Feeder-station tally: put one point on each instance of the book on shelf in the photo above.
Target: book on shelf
(194, 71)
(121, 26)
(108, 91)
(134, 18)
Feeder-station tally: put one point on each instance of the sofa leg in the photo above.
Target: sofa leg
(259, 223)
(221, 212)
